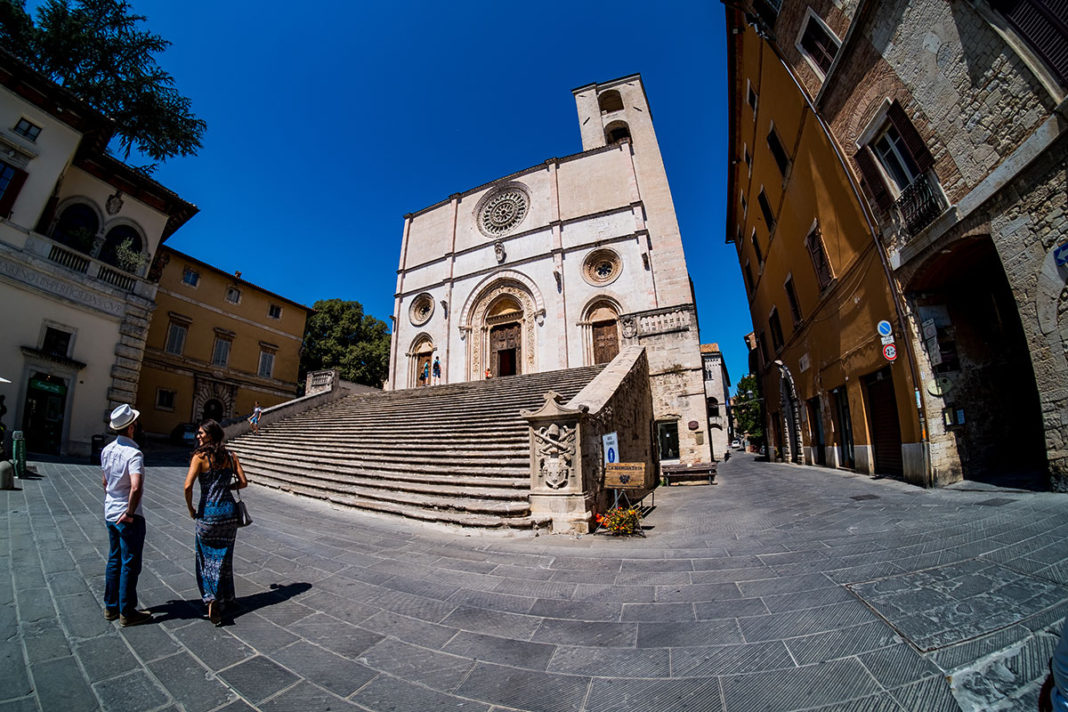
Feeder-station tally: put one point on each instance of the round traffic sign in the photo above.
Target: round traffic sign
(890, 352)
(884, 328)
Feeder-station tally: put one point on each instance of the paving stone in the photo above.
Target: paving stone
(44, 640)
(876, 703)
(324, 668)
(150, 642)
(133, 692)
(736, 608)
(261, 634)
(411, 630)
(785, 584)
(576, 610)
(60, 685)
(931, 695)
(195, 687)
(492, 622)
(808, 621)
(698, 592)
(682, 634)
(800, 688)
(440, 671)
(611, 593)
(106, 656)
(82, 615)
(215, 647)
(493, 601)
(592, 634)
(504, 651)
(710, 661)
(695, 695)
(305, 696)
(22, 704)
(842, 643)
(898, 665)
(525, 689)
(808, 599)
(35, 604)
(258, 678)
(338, 636)
(611, 662)
(14, 682)
(389, 694)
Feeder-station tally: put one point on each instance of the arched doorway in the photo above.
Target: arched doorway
(213, 410)
(504, 318)
(983, 380)
(602, 324)
(419, 358)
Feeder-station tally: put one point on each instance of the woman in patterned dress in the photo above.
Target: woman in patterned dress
(214, 467)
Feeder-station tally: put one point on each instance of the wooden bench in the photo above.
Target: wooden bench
(699, 470)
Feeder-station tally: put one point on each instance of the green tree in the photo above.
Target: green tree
(339, 335)
(749, 409)
(97, 50)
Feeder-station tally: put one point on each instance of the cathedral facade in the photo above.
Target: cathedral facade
(558, 266)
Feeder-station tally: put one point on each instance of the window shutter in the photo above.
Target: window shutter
(874, 180)
(916, 145)
(7, 201)
(1042, 23)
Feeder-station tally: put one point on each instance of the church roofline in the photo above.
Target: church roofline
(610, 83)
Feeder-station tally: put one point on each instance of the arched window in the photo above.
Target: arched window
(122, 248)
(713, 408)
(610, 101)
(616, 131)
(77, 227)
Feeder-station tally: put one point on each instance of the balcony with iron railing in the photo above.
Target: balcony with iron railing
(920, 204)
(79, 262)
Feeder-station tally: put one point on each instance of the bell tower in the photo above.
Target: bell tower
(617, 113)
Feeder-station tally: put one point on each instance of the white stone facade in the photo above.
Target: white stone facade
(535, 271)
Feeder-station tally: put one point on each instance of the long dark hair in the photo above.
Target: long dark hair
(216, 453)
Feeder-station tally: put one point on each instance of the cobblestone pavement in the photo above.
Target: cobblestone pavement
(781, 588)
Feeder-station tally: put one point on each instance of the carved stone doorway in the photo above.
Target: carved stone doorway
(505, 345)
(213, 410)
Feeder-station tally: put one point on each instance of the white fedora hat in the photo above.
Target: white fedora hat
(122, 416)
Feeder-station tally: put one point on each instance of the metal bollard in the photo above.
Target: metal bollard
(18, 453)
(7, 475)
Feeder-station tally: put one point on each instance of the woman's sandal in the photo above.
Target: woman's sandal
(214, 613)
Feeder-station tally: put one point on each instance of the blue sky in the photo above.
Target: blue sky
(327, 122)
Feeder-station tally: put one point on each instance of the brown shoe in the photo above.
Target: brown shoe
(215, 613)
(135, 618)
(111, 614)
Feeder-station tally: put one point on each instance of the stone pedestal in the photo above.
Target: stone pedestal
(556, 482)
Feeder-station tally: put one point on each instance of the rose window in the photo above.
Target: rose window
(503, 212)
(421, 310)
(601, 267)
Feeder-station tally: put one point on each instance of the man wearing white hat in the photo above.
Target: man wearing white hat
(124, 474)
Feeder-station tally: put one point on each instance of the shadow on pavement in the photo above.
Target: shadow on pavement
(195, 609)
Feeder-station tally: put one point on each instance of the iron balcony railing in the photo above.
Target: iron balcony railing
(920, 204)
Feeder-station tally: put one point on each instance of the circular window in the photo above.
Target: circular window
(421, 310)
(601, 267)
(502, 211)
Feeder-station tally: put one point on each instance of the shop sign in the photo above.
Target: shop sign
(57, 388)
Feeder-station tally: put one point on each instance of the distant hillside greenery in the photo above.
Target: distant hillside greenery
(339, 335)
(98, 51)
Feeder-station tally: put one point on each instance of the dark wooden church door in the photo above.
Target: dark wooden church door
(505, 350)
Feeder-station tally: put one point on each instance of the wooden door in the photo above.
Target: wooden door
(505, 350)
(605, 341)
(882, 419)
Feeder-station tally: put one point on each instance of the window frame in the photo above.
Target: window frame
(225, 361)
(159, 405)
(31, 133)
(766, 210)
(231, 289)
(791, 298)
(661, 426)
(778, 151)
(814, 238)
(778, 340)
(186, 272)
(755, 242)
(274, 311)
(269, 356)
(831, 35)
(172, 325)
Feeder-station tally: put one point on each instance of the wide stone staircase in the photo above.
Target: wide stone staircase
(457, 454)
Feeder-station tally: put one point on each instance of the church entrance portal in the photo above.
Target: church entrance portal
(504, 349)
(605, 341)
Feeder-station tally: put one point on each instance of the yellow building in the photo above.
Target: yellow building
(837, 391)
(216, 345)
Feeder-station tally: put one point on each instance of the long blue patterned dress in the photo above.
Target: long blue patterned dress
(217, 521)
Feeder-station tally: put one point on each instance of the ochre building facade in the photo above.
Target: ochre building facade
(216, 345)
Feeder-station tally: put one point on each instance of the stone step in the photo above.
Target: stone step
(518, 466)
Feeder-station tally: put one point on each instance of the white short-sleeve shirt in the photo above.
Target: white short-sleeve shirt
(119, 460)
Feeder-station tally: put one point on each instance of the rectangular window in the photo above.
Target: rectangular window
(745, 206)
(748, 277)
(818, 44)
(56, 342)
(164, 399)
(220, 355)
(776, 330)
(765, 209)
(667, 438)
(748, 159)
(756, 248)
(818, 253)
(892, 152)
(175, 339)
(791, 296)
(233, 295)
(762, 343)
(274, 311)
(190, 277)
(778, 152)
(751, 98)
(11, 180)
(27, 130)
(266, 364)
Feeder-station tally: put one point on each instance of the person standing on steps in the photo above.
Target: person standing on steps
(123, 467)
(254, 420)
(217, 518)
(437, 371)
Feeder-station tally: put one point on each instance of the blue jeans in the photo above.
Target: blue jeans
(124, 564)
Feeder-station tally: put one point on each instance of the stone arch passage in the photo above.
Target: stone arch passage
(498, 323)
(419, 357)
